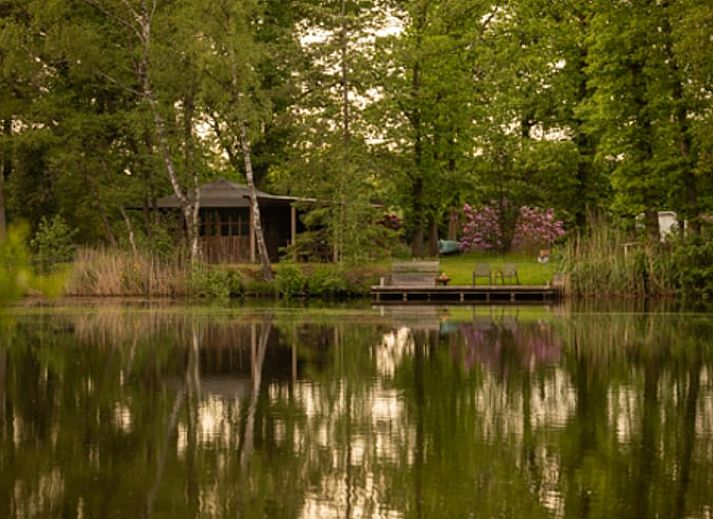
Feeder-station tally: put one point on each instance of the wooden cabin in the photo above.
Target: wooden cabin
(226, 226)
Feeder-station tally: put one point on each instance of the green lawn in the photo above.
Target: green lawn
(460, 267)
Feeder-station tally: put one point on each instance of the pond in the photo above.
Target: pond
(163, 411)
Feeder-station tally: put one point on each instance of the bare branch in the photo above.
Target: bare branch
(119, 83)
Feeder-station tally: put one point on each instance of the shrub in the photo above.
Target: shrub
(693, 265)
(290, 280)
(53, 244)
(482, 229)
(258, 287)
(14, 265)
(210, 282)
(534, 227)
(16, 275)
(327, 280)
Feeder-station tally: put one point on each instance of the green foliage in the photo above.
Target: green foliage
(17, 277)
(327, 281)
(290, 281)
(209, 282)
(323, 280)
(15, 273)
(53, 244)
(692, 262)
(586, 107)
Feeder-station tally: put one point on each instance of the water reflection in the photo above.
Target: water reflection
(400, 412)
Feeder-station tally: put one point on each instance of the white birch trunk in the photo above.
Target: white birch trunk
(254, 206)
(189, 201)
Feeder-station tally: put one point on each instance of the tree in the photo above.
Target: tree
(20, 79)
(231, 91)
(330, 157)
(634, 107)
(148, 27)
(433, 103)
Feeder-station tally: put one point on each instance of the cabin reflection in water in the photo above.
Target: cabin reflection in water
(361, 414)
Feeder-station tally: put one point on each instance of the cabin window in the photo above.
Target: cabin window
(235, 223)
(209, 223)
(225, 223)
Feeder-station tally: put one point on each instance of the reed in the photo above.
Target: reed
(606, 262)
(104, 272)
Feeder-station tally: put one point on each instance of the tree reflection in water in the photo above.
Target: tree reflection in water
(123, 412)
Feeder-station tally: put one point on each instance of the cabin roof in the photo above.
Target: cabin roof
(227, 194)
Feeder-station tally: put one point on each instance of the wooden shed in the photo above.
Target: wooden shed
(226, 225)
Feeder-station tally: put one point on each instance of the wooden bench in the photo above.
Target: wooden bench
(413, 273)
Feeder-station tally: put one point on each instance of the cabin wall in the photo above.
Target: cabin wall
(225, 233)
(225, 249)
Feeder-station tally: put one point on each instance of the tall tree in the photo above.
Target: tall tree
(149, 26)
(632, 106)
(21, 80)
(331, 159)
(231, 91)
(433, 106)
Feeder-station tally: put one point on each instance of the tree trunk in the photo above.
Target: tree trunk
(3, 219)
(247, 445)
(432, 243)
(129, 229)
(5, 168)
(651, 224)
(417, 238)
(690, 182)
(265, 266)
(643, 152)
(339, 222)
(345, 79)
(417, 179)
(586, 189)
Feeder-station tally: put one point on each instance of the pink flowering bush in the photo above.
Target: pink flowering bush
(482, 229)
(534, 227)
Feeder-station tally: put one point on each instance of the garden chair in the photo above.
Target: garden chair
(482, 270)
(509, 271)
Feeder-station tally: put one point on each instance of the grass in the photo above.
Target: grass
(103, 272)
(114, 272)
(460, 267)
(599, 265)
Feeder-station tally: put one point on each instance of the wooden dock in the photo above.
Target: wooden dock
(466, 293)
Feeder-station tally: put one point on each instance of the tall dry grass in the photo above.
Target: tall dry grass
(606, 262)
(115, 272)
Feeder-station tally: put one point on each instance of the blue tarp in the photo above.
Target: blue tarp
(448, 247)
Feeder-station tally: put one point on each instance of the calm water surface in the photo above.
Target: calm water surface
(530, 412)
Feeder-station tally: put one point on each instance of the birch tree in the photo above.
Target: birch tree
(137, 21)
(231, 91)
